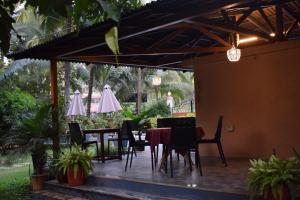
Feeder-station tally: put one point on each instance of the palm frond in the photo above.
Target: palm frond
(20, 65)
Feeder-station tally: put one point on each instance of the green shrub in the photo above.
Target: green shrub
(14, 103)
(272, 175)
(159, 109)
(92, 122)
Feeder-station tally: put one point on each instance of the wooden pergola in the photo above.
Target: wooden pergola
(165, 33)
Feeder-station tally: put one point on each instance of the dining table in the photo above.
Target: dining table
(101, 132)
(157, 136)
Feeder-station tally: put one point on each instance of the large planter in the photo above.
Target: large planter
(77, 180)
(61, 177)
(286, 194)
(37, 181)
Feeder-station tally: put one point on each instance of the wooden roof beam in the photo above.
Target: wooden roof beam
(266, 18)
(106, 60)
(181, 15)
(290, 29)
(155, 52)
(258, 24)
(229, 28)
(294, 15)
(128, 62)
(206, 32)
(279, 23)
(246, 14)
(166, 39)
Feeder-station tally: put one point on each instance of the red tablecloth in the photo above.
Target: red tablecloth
(157, 136)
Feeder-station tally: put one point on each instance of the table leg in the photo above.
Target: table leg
(119, 145)
(102, 148)
(164, 159)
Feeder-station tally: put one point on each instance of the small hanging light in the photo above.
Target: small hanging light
(156, 80)
(233, 54)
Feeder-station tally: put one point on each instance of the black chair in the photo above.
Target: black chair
(176, 122)
(184, 138)
(217, 140)
(127, 128)
(114, 138)
(78, 138)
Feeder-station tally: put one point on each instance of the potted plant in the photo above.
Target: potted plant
(34, 129)
(57, 172)
(273, 179)
(76, 164)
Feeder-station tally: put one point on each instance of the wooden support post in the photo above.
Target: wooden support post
(279, 23)
(54, 102)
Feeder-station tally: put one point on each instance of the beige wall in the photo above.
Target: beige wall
(259, 96)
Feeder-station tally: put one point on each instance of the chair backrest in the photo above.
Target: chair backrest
(126, 130)
(75, 133)
(176, 122)
(183, 137)
(183, 133)
(219, 128)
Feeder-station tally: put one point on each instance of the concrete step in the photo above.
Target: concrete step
(114, 188)
(88, 191)
(51, 195)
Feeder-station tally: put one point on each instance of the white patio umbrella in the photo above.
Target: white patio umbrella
(108, 101)
(76, 107)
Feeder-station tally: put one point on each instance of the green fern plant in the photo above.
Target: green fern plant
(273, 176)
(75, 159)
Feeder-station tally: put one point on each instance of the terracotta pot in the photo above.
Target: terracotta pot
(37, 181)
(286, 194)
(78, 180)
(61, 177)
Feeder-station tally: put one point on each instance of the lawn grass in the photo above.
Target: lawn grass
(15, 182)
(14, 174)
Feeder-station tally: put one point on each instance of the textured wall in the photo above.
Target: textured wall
(259, 96)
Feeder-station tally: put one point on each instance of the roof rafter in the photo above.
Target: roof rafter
(279, 22)
(205, 32)
(180, 16)
(153, 52)
(294, 15)
(266, 18)
(166, 39)
(258, 24)
(229, 28)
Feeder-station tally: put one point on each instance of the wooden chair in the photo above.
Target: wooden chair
(114, 138)
(217, 140)
(78, 138)
(176, 122)
(183, 138)
(128, 127)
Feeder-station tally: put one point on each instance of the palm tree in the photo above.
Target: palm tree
(178, 83)
(99, 75)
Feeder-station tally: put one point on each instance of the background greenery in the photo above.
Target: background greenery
(25, 84)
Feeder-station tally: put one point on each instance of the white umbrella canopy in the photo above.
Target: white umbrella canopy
(108, 101)
(76, 106)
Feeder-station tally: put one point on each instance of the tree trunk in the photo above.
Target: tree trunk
(156, 89)
(90, 92)
(55, 114)
(139, 91)
(67, 67)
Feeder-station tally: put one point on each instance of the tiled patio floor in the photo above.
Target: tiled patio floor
(215, 177)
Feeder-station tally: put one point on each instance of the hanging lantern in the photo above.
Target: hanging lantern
(156, 80)
(233, 54)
